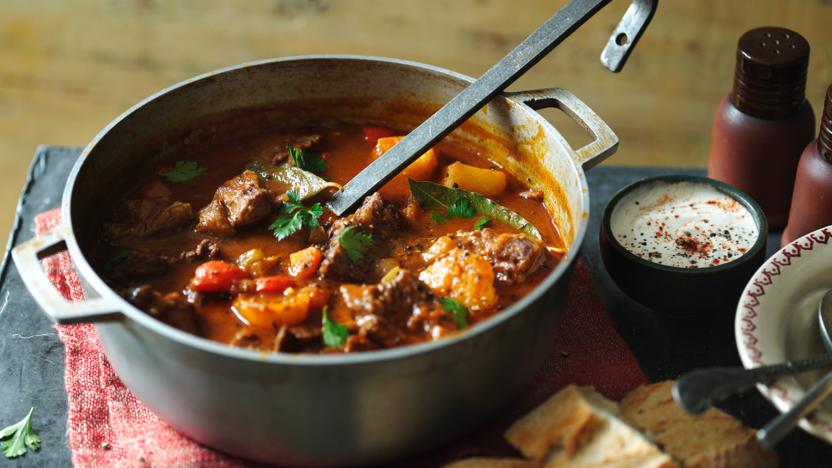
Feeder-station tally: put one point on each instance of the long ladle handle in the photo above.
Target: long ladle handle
(493, 81)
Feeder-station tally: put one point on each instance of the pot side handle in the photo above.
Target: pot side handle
(27, 257)
(605, 141)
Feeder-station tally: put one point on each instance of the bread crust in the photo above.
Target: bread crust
(579, 427)
(711, 439)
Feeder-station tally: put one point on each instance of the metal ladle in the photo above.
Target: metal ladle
(493, 81)
(780, 426)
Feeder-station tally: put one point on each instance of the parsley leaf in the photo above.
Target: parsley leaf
(334, 334)
(183, 171)
(437, 217)
(293, 200)
(19, 436)
(355, 243)
(456, 310)
(481, 223)
(461, 208)
(294, 217)
(307, 160)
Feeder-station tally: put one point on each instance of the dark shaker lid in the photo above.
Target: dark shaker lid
(770, 77)
(825, 135)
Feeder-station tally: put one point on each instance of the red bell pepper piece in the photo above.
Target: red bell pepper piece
(273, 284)
(216, 276)
(304, 263)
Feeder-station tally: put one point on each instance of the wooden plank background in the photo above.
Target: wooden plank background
(68, 67)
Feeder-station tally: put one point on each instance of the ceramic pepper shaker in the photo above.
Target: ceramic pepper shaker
(812, 199)
(764, 123)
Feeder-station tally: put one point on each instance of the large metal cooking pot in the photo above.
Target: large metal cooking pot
(322, 409)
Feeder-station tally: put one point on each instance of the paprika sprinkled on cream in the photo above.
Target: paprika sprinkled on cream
(683, 224)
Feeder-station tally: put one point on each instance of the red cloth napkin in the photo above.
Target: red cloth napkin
(108, 426)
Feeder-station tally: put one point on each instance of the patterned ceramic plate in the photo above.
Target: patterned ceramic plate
(777, 320)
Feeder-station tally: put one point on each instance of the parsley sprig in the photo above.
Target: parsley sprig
(307, 160)
(456, 310)
(461, 208)
(183, 171)
(334, 333)
(19, 436)
(355, 243)
(295, 217)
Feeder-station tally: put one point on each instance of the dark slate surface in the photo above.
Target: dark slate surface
(31, 356)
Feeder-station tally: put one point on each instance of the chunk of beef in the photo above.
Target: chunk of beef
(305, 332)
(244, 198)
(281, 154)
(380, 314)
(297, 337)
(205, 249)
(513, 256)
(379, 329)
(139, 264)
(375, 217)
(403, 292)
(370, 315)
(144, 217)
(247, 338)
(294, 338)
(214, 219)
(172, 308)
(240, 201)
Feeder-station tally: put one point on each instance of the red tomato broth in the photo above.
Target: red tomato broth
(346, 152)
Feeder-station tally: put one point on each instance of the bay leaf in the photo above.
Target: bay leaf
(284, 177)
(433, 195)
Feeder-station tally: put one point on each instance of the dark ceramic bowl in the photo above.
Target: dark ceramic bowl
(682, 292)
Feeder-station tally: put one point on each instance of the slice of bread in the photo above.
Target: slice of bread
(579, 427)
(712, 439)
(481, 462)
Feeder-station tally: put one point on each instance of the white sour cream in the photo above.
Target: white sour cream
(683, 224)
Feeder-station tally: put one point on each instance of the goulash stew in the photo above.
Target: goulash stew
(233, 242)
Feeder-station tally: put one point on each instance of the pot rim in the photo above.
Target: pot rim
(131, 312)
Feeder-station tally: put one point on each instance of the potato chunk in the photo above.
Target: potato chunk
(487, 182)
(398, 190)
(464, 276)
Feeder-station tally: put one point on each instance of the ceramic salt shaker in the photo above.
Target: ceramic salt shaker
(812, 199)
(765, 122)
